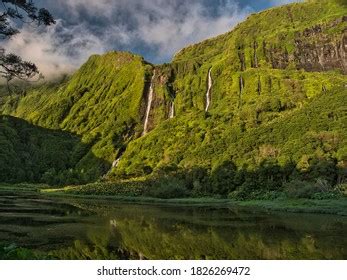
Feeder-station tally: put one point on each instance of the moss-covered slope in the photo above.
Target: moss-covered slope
(268, 73)
(103, 103)
(278, 93)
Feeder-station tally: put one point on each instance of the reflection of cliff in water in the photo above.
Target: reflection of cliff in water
(136, 232)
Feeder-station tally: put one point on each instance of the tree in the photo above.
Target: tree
(223, 178)
(12, 12)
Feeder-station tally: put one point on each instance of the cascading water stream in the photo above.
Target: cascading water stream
(149, 105)
(172, 110)
(208, 93)
(116, 162)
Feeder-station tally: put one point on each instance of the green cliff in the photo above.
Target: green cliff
(277, 108)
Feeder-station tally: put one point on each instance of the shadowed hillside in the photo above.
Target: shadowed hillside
(30, 153)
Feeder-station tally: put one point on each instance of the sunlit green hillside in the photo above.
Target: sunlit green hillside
(277, 108)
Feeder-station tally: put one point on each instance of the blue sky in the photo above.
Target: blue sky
(155, 29)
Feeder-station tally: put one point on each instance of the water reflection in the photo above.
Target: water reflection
(77, 229)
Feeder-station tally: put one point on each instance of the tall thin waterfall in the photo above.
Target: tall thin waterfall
(149, 104)
(172, 110)
(116, 162)
(208, 93)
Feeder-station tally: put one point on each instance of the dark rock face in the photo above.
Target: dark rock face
(242, 58)
(255, 57)
(321, 56)
(317, 51)
(279, 58)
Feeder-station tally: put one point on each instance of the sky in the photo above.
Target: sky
(155, 29)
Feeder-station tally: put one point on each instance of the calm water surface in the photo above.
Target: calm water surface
(90, 229)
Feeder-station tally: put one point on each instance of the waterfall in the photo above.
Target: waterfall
(208, 93)
(149, 104)
(172, 110)
(115, 163)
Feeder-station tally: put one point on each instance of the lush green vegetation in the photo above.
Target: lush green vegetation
(99, 104)
(307, 145)
(276, 126)
(146, 192)
(13, 252)
(34, 154)
(326, 203)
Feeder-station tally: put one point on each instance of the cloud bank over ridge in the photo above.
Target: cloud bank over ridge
(155, 29)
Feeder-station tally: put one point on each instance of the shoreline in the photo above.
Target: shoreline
(305, 206)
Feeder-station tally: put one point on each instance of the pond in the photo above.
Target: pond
(69, 228)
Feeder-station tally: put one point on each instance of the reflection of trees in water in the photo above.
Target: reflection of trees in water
(148, 238)
(187, 243)
(104, 244)
(135, 231)
(101, 244)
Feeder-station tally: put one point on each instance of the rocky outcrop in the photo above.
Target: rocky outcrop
(255, 56)
(242, 58)
(241, 84)
(276, 56)
(316, 50)
(279, 57)
(259, 86)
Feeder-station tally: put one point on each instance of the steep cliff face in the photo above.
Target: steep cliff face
(307, 36)
(103, 103)
(321, 47)
(268, 70)
(316, 49)
(163, 96)
(271, 69)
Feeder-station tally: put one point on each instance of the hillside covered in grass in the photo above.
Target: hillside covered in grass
(276, 119)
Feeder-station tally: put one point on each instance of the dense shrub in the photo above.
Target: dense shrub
(223, 178)
(168, 187)
(305, 189)
(341, 189)
(13, 252)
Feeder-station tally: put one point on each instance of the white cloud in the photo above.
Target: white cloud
(103, 8)
(169, 32)
(156, 28)
(283, 2)
(56, 49)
